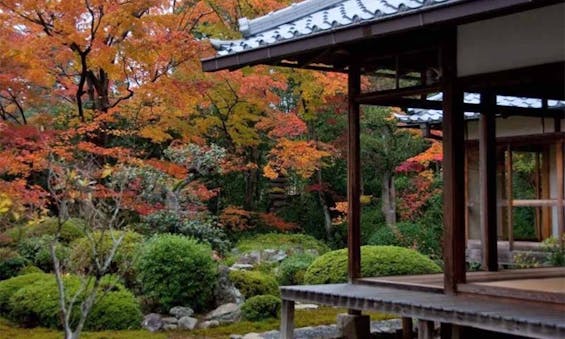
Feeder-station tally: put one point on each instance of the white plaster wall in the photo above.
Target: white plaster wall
(518, 40)
(514, 125)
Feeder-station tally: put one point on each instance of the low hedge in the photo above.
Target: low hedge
(37, 304)
(253, 283)
(375, 261)
(261, 307)
(12, 285)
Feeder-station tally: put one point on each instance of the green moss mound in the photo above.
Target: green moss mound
(290, 243)
(261, 307)
(70, 230)
(12, 285)
(37, 304)
(175, 270)
(375, 261)
(253, 283)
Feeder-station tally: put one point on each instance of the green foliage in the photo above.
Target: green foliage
(305, 210)
(176, 270)
(371, 217)
(204, 230)
(417, 236)
(252, 283)
(375, 261)
(261, 307)
(292, 269)
(37, 304)
(81, 254)
(555, 252)
(29, 270)
(291, 243)
(70, 230)
(38, 251)
(10, 263)
(12, 285)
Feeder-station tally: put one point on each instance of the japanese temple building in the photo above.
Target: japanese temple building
(491, 75)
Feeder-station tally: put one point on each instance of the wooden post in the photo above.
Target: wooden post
(407, 328)
(509, 215)
(453, 167)
(354, 177)
(425, 329)
(560, 184)
(487, 166)
(287, 319)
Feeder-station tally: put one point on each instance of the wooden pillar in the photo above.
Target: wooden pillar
(287, 319)
(353, 177)
(560, 183)
(425, 329)
(509, 197)
(453, 167)
(487, 166)
(407, 328)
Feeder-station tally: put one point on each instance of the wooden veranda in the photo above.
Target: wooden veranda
(491, 47)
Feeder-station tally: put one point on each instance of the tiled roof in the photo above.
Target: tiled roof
(416, 116)
(316, 16)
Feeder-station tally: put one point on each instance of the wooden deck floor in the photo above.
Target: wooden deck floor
(524, 318)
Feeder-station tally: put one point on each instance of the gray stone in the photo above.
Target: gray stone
(225, 314)
(152, 322)
(236, 336)
(169, 320)
(272, 255)
(209, 323)
(251, 258)
(252, 336)
(225, 291)
(181, 311)
(306, 306)
(170, 327)
(187, 323)
(240, 267)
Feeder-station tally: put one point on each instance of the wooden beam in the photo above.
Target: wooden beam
(487, 166)
(453, 167)
(354, 177)
(374, 97)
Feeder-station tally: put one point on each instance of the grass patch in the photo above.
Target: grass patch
(303, 318)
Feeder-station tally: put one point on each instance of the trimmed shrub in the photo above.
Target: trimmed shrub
(292, 269)
(38, 251)
(175, 270)
(70, 230)
(81, 259)
(29, 270)
(252, 283)
(375, 261)
(10, 263)
(261, 307)
(12, 285)
(424, 239)
(290, 243)
(37, 304)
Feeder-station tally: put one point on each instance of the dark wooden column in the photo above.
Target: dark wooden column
(487, 165)
(354, 176)
(453, 166)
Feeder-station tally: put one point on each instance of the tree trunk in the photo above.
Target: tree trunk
(388, 198)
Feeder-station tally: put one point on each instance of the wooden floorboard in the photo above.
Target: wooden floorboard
(505, 316)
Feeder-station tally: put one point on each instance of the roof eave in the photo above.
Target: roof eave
(451, 12)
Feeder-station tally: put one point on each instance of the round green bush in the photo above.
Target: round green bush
(175, 270)
(81, 259)
(375, 261)
(12, 285)
(70, 230)
(292, 269)
(37, 304)
(252, 283)
(10, 263)
(38, 251)
(261, 307)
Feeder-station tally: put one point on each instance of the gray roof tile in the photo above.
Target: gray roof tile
(416, 116)
(313, 16)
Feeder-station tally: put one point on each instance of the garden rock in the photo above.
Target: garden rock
(272, 255)
(181, 311)
(225, 291)
(252, 336)
(187, 323)
(170, 327)
(251, 258)
(152, 322)
(306, 306)
(239, 267)
(225, 314)
(169, 320)
(209, 323)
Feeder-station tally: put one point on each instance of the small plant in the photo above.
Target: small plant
(292, 269)
(525, 260)
(261, 307)
(176, 270)
(555, 252)
(252, 283)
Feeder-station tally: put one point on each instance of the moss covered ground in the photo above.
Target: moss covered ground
(321, 316)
